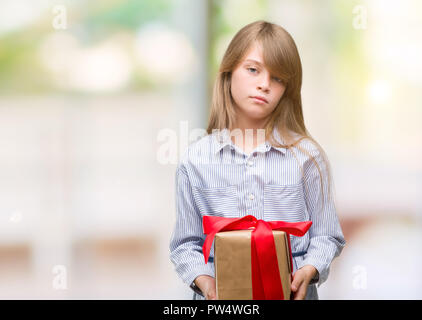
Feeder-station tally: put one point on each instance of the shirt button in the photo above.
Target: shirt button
(250, 163)
(251, 196)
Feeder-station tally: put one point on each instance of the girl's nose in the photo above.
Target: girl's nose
(264, 83)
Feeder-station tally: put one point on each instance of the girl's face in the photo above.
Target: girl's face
(252, 79)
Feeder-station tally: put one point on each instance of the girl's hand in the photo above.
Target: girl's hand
(207, 285)
(301, 280)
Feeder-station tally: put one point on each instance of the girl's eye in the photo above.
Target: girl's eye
(254, 69)
(251, 69)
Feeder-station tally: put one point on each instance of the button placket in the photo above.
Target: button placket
(250, 196)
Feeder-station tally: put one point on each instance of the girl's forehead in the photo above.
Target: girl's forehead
(254, 53)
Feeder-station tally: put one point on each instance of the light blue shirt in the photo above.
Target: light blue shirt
(216, 177)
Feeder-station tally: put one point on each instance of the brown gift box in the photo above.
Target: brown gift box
(232, 261)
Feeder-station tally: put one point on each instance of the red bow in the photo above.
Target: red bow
(266, 281)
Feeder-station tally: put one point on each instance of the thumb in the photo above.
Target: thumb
(297, 281)
(212, 296)
(211, 293)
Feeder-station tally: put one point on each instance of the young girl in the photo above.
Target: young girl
(257, 159)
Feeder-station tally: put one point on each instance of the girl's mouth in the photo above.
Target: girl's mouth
(259, 100)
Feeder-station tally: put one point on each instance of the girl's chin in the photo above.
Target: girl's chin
(257, 118)
(255, 112)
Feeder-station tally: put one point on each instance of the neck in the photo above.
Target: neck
(250, 128)
(244, 124)
(251, 134)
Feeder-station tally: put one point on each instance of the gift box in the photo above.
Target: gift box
(232, 259)
(253, 258)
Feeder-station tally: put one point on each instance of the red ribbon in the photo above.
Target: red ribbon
(266, 281)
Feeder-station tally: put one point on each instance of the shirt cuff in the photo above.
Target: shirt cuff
(322, 270)
(205, 269)
(196, 289)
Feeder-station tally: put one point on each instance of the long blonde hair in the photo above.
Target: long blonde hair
(281, 57)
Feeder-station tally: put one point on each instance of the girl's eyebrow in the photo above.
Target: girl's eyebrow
(257, 62)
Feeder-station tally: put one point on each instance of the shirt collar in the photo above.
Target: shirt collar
(222, 138)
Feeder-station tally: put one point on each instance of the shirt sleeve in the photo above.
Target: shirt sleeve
(188, 237)
(326, 237)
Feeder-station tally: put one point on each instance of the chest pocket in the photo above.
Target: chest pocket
(222, 201)
(284, 202)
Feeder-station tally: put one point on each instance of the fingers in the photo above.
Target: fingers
(298, 279)
(211, 295)
(207, 285)
(301, 292)
(299, 286)
(211, 292)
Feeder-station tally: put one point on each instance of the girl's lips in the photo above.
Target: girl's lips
(259, 100)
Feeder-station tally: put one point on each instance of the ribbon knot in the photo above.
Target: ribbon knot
(266, 281)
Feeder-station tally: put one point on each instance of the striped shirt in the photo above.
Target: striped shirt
(216, 177)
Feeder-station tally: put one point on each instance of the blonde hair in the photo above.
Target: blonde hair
(281, 57)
